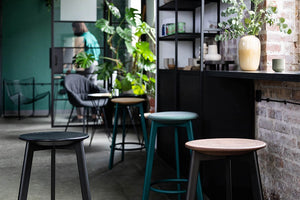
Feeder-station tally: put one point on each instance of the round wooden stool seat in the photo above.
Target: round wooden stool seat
(127, 100)
(225, 146)
(53, 138)
(173, 116)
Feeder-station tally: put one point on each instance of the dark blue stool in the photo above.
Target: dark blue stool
(53, 141)
(168, 119)
(124, 103)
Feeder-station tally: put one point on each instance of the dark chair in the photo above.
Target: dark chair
(78, 87)
(22, 92)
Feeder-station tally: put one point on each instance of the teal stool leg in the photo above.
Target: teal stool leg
(124, 133)
(143, 125)
(149, 164)
(113, 142)
(190, 133)
(177, 160)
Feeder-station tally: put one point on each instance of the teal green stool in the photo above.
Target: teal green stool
(123, 103)
(168, 119)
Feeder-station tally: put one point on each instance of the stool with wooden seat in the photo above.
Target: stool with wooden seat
(124, 103)
(222, 148)
(174, 119)
(52, 141)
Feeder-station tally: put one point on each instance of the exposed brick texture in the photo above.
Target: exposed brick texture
(278, 124)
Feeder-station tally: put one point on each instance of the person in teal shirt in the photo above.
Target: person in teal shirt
(91, 46)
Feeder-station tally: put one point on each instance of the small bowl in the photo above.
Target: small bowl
(171, 66)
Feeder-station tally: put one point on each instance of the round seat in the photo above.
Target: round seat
(127, 100)
(53, 138)
(173, 116)
(225, 146)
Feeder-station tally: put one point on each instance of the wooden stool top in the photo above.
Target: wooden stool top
(127, 100)
(53, 138)
(225, 146)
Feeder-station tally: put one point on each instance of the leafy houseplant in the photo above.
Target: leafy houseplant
(248, 23)
(83, 60)
(137, 72)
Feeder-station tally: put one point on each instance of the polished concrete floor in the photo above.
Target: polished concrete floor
(123, 182)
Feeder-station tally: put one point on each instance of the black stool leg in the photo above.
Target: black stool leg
(106, 122)
(53, 174)
(228, 180)
(26, 169)
(82, 169)
(193, 176)
(124, 132)
(69, 119)
(257, 190)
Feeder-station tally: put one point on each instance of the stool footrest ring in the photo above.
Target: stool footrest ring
(142, 146)
(178, 180)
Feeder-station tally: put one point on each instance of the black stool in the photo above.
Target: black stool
(53, 141)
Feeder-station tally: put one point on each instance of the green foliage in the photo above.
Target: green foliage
(84, 60)
(243, 21)
(139, 76)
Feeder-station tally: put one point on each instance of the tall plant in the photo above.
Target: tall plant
(140, 75)
(244, 21)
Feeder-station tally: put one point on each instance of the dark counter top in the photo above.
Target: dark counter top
(256, 75)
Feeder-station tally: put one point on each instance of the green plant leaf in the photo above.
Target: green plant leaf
(118, 84)
(143, 28)
(114, 10)
(131, 15)
(104, 26)
(247, 21)
(138, 89)
(281, 20)
(126, 85)
(84, 60)
(105, 70)
(152, 79)
(145, 50)
(124, 33)
(130, 48)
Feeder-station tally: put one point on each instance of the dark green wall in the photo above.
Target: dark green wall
(26, 42)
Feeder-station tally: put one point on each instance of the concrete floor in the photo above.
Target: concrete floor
(123, 182)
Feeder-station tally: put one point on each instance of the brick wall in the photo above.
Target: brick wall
(278, 124)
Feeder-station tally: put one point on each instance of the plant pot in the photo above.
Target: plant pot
(249, 53)
(151, 101)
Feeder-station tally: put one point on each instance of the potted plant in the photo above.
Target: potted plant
(246, 23)
(83, 60)
(137, 72)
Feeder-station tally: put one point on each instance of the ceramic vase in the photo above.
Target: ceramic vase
(249, 53)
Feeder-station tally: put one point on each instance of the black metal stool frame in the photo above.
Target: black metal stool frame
(251, 158)
(27, 164)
